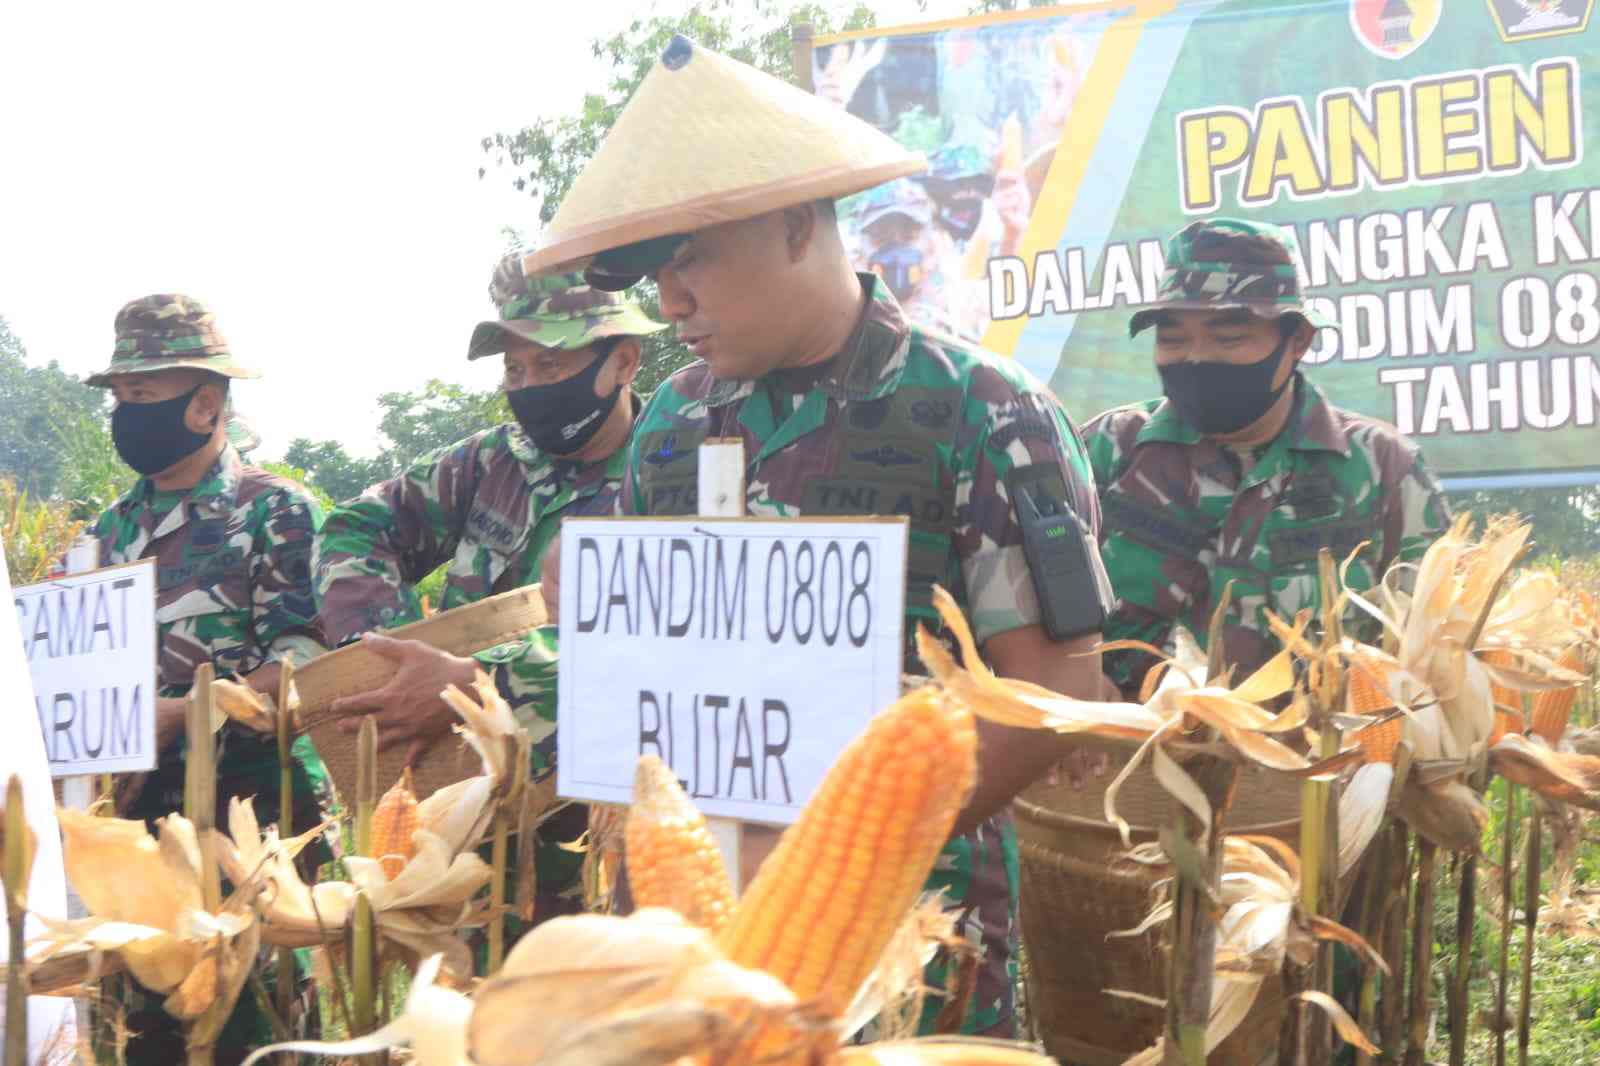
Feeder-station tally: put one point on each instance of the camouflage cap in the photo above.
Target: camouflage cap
(560, 311)
(164, 331)
(1222, 263)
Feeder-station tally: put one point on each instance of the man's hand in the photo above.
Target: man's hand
(408, 709)
(1009, 759)
(266, 680)
(171, 712)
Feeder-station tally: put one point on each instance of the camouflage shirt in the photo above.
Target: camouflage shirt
(900, 422)
(488, 508)
(1184, 515)
(233, 588)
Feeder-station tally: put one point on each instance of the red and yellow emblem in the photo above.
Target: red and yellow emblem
(1394, 28)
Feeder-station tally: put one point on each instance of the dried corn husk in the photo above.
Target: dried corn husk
(489, 726)
(1184, 699)
(254, 710)
(1466, 641)
(1261, 925)
(145, 901)
(420, 908)
(433, 1024)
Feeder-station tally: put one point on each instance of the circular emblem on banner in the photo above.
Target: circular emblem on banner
(1394, 29)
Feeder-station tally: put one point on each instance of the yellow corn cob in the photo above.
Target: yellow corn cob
(1365, 691)
(1553, 709)
(672, 859)
(1507, 698)
(1504, 722)
(1379, 741)
(829, 898)
(393, 821)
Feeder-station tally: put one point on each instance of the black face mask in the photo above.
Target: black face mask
(1218, 398)
(151, 437)
(561, 418)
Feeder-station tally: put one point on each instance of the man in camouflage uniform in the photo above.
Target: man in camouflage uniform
(846, 408)
(487, 508)
(1244, 471)
(232, 546)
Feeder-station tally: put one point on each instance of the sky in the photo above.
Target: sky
(309, 171)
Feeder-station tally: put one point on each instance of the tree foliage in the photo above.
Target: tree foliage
(1566, 521)
(412, 425)
(55, 441)
(543, 159)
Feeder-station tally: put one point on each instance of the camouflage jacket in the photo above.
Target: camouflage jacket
(233, 588)
(488, 507)
(1185, 515)
(901, 422)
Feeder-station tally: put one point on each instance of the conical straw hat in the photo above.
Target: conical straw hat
(706, 140)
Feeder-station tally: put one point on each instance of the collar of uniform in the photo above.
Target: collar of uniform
(214, 493)
(872, 359)
(1310, 427)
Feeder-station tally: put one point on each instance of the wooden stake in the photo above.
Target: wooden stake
(1530, 925)
(720, 488)
(1502, 1020)
(200, 783)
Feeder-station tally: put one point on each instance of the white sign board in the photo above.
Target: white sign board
(51, 1024)
(90, 644)
(746, 653)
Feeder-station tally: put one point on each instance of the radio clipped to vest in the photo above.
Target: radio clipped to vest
(1072, 599)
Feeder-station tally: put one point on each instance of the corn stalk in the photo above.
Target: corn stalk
(1421, 953)
(285, 987)
(1310, 1040)
(17, 869)
(505, 811)
(1196, 851)
(1466, 920)
(1374, 915)
(1530, 924)
(1507, 905)
(363, 926)
(200, 807)
(1391, 1009)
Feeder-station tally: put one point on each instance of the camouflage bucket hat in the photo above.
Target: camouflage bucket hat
(561, 311)
(165, 331)
(1223, 263)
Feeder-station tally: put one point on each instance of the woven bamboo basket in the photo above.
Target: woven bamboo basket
(353, 669)
(1077, 887)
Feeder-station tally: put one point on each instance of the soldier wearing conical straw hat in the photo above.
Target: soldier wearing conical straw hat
(717, 183)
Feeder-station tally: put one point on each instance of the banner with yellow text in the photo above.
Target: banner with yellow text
(1432, 158)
